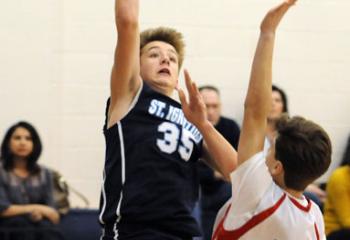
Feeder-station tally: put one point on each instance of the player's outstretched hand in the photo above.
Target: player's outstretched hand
(195, 110)
(274, 16)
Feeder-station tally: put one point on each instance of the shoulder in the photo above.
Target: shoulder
(254, 163)
(316, 211)
(45, 173)
(3, 171)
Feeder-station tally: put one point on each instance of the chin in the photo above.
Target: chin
(22, 155)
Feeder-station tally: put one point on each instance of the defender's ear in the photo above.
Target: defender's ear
(277, 168)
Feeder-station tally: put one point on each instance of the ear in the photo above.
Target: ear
(277, 169)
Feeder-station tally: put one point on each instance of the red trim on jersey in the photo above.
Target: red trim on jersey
(220, 226)
(221, 234)
(317, 233)
(301, 207)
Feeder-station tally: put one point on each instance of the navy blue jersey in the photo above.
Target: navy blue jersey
(150, 177)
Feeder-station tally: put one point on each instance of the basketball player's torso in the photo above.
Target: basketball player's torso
(292, 219)
(150, 159)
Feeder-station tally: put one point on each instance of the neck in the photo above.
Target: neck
(294, 193)
(165, 90)
(280, 182)
(20, 163)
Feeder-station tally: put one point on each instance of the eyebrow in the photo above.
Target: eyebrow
(156, 47)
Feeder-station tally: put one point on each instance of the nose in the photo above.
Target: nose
(165, 59)
(22, 141)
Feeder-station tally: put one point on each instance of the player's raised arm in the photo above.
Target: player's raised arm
(219, 153)
(258, 99)
(125, 79)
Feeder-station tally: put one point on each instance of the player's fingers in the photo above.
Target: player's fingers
(182, 97)
(188, 81)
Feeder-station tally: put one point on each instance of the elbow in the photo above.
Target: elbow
(126, 22)
(255, 109)
(252, 109)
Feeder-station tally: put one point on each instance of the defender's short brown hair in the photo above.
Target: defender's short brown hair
(304, 148)
(167, 35)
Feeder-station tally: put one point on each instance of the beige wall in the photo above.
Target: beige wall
(55, 59)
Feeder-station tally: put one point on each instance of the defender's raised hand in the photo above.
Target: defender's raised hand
(274, 16)
(194, 110)
(258, 99)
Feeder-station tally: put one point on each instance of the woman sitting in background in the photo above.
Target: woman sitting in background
(26, 200)
(337, 205)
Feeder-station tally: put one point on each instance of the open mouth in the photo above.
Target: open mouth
(164, 71)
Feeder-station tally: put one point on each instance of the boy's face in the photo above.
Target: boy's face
(159, 66)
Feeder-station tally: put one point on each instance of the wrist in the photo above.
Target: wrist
(205, 126)
(267, 34)
(29, 208)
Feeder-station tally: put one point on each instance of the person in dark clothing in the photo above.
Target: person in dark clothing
(149, 180)
(26, 197)
(215, 191)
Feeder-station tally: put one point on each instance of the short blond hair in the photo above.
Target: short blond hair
(167, 35)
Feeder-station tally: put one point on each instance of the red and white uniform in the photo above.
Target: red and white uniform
(261, 210)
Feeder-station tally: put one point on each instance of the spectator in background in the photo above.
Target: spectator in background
(26, 200)
(278, 108)
(215, 191)
(337, 204)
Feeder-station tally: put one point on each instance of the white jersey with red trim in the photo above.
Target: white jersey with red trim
(260, 210)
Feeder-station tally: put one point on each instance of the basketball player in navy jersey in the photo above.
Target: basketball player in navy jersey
(149, 185)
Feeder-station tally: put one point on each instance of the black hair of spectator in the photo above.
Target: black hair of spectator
(7, 157)
(209, 87)
(283, 96)
(346, 156)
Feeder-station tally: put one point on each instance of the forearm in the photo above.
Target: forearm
(16, 210)
(258, 98)
(259, 92)
(222, 155)
(125, 79)
(127, 17)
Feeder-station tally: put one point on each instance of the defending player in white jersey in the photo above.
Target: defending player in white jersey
(267, 194)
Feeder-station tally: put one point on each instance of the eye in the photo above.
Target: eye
(173, 59)
(28, 138)
(154, 55)
(16, 137)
